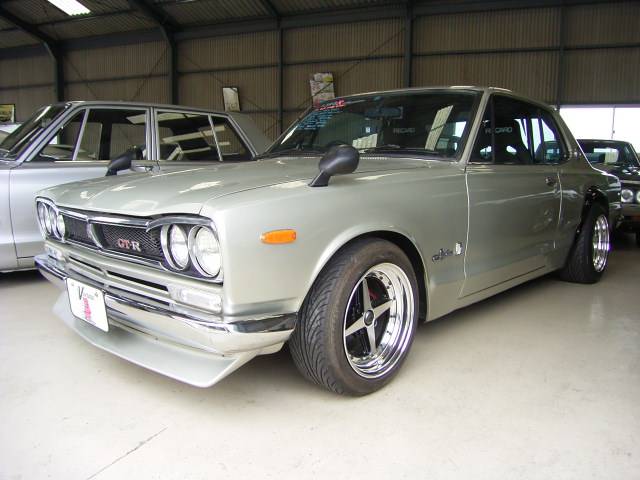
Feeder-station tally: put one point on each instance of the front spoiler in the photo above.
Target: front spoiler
(197, 353)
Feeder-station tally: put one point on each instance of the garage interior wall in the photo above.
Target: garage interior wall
(573, 54)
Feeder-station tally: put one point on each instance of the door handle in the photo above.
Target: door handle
(550, 181)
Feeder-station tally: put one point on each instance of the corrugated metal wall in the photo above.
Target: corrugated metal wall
(131, 72)
(521, 49)
(26, 82)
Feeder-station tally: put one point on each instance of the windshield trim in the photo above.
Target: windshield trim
(476, 95)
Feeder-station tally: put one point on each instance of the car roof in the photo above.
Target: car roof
(605, 141)
(453, 88)
(123, 103)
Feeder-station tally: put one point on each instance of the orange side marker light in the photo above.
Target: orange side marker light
(276, 237)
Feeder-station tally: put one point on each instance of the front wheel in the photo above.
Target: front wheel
(590, 253)
(358, 321)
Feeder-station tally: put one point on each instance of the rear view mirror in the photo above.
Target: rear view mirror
(124, 161)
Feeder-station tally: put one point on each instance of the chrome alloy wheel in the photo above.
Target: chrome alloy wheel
(601, 245)
(378, 321)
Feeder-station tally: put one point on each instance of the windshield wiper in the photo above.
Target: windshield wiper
(398, 149)
(289, 151)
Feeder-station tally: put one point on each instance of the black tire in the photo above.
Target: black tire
(580, 266)
(319, 342)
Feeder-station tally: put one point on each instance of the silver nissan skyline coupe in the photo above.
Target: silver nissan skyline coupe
(369, 214)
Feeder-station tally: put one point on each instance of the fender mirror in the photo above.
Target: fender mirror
(338, 160)
(124, 161)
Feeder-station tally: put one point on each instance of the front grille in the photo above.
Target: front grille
(118, 237)
(77, 230)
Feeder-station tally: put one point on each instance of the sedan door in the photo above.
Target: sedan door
(80, 149)
(514, 196)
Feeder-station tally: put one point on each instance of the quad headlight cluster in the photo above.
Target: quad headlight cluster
(51, 221)
(194, 247)
(628, 195)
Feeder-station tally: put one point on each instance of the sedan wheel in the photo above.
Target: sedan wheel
(589, 255)
(357, 323)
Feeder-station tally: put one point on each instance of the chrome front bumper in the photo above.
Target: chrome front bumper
(194, 348)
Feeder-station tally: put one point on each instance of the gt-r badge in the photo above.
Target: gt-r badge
(127, 244)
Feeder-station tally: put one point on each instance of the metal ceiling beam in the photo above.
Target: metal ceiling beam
(168, 27)
(52, 46)
(269, 7)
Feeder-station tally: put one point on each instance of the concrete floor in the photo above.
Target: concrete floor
(539, 382)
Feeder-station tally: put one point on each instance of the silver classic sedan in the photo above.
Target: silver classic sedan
(71, 141)
(371, 213)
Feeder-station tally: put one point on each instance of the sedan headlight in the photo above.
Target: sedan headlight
(47, 220)
(42, 215)
(60, 225)
(53, 219)
(178, 248)
(205, 250)
(192, 247)
(638, 196)
(626, 195)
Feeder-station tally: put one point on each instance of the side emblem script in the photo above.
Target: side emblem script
(127, 244)
(445, 252)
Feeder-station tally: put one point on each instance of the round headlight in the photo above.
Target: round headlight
(638, 196)
(178, 248)
(53, 218)
(47, 220)
(42, 214)
(60, 226)
(206, 250)
(626, 195)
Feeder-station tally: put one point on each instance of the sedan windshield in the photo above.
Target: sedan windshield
(426, 123)
(611, 153)
(13, 144)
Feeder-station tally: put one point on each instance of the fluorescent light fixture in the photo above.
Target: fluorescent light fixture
(70, 7)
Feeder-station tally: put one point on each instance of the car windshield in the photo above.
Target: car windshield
(615, 154)
(427, 123)
(13, 144)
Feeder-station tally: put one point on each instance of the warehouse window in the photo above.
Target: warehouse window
(605, 123)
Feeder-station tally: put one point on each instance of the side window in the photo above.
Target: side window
(232, 147)
(511, 131)
(63, 143)
(186, 137)
(110, 132)
(547, 146)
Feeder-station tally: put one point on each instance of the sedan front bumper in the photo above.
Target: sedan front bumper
(198, 350)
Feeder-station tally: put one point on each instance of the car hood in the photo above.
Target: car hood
(623, 173)
(185, 191)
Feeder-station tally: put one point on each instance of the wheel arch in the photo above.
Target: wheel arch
(402, 241)
(593, 196)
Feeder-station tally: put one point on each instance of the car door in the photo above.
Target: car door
(80, 149)
(514, 196)
(193, 139)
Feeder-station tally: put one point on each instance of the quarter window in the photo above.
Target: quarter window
(186, 137)
(231, 146)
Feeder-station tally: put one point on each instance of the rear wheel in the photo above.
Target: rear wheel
(590, 253)
(358, 321)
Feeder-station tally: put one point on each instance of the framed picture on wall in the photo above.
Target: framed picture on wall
(7, 113)
(231, 99)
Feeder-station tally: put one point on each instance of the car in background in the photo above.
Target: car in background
(72, 141)
(6, 129)
(620, 159)
(369, 213)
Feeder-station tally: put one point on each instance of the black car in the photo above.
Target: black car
(620, 159)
